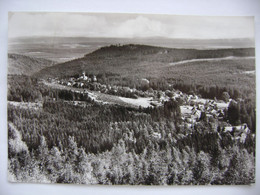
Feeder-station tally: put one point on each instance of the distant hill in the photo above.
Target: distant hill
(138, 60)
(21, 64)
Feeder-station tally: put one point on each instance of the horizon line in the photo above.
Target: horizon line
(158, 37)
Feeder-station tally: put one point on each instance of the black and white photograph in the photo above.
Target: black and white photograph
(131, 99)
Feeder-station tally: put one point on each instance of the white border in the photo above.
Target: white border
(176, 7)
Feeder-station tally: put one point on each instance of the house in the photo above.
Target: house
(209, 116)
(188, 125)
(168, 93)
(156, 135)
(213, 112)
(243, 137)
(144, 83)
(186, 110)
(201, 107)
(220, 114)
(83, 77)
(191, 120)
(72, 79)
(242, 127)
(94, 79)
(228, 129)
(196, 114)
(239, 132)
(127, 89)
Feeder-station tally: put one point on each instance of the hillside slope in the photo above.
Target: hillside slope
(138, 60)
(21, 64)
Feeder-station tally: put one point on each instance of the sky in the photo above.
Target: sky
(128, 25)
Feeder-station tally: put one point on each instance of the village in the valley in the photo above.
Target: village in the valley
(193, 108)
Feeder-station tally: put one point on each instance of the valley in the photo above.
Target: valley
(135, 114)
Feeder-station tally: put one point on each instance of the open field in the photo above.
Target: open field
(105, 98)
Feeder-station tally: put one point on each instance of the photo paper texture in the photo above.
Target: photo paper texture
(131, 99)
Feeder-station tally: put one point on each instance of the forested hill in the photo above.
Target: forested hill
(138, 60)
(21, 64)
(171, 54)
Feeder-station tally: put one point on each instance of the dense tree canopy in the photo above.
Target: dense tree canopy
(93, 143)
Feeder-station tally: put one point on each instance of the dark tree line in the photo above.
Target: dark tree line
(242, 112)
(109, 144)
(102, 134)
(126, 152)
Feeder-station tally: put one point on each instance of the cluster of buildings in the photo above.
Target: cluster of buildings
(199, 108)
(91, 82)
(193, 109)
(78, 82)
(238, 132)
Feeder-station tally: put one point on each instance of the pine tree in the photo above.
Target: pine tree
(43, 152)
(71, 151)
(85, 169)
(55, 165)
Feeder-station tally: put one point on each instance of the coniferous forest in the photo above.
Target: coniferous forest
(59, 133)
